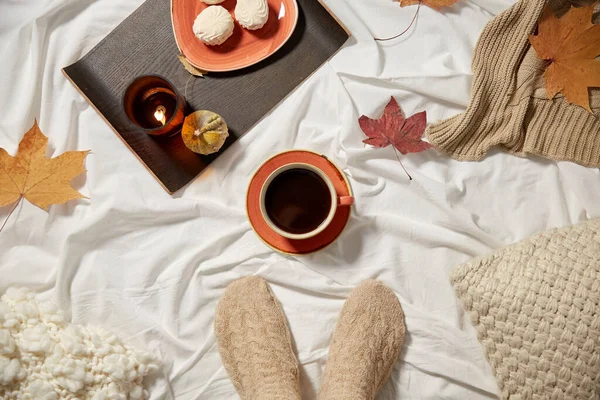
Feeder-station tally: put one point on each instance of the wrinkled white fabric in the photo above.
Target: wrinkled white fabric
(44, 357)
(150, 267)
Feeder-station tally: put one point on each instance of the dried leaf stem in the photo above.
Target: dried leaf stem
(10, 213)
(404, 31)
(400, 161)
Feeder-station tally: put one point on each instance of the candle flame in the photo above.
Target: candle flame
(159, 114)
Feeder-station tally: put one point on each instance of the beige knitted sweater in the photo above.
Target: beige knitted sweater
(536, 307)
(509, 107)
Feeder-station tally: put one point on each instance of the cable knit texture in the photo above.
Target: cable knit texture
(536, 307)
(42, 357)
(254, 342)
(509, 107)
(365, 345)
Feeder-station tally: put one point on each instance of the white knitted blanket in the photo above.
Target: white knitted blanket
(43, 357)
(536, 307)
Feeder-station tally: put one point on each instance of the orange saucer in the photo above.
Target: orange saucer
(269, 236)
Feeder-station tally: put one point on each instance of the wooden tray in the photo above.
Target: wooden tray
(144, 44)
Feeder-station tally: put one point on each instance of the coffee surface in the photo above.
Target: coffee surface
(298, 201)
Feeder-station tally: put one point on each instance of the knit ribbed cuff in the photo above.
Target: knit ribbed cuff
(561, 131)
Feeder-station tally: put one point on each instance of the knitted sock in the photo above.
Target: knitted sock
(254, 342)
(365, 345)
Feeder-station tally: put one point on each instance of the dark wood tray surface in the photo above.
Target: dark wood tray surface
(144, 44)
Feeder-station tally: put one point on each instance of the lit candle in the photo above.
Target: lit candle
(159, 114)
(152, 103)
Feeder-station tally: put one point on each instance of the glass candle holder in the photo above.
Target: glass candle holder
(152, 103)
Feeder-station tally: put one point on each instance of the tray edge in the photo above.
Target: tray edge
(115, 130)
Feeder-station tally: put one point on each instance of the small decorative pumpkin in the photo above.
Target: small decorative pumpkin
(204, 132)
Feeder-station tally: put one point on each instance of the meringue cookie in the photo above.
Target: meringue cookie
(252, 14)
(213, 25)
(213, 2)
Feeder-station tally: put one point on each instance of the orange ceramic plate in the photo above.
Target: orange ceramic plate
(272, 238)
(244, 47)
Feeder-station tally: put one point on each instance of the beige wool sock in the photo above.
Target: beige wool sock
(365, 345)
(254, 342)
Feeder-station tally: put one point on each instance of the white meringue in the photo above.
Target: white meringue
(252, 14)
(213, 25)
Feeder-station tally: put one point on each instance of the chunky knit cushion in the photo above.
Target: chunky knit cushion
(509, 107)
(536, 307)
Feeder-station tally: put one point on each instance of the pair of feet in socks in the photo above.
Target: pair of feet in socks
(256, 349)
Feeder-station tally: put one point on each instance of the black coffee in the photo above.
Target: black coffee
(298, 201)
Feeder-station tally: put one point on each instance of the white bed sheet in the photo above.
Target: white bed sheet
(151, 267)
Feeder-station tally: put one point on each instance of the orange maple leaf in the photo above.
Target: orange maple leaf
(571, 44)
(435, 4)
(33, 176)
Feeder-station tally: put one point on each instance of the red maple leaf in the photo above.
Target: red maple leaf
(404, 134)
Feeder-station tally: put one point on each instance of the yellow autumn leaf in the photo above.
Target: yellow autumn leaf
(31, 175)
(570, 45)
(435, 4)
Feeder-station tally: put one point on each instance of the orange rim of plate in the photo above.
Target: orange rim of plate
(244, 48)
(272, 238)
